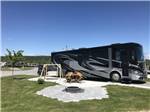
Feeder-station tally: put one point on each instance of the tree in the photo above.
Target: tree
(14, 57)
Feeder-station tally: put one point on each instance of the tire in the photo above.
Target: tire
(115, 77)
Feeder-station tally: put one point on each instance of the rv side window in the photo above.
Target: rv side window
(100, 52)
(117, 56)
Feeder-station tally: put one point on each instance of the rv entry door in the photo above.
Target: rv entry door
(125, 64)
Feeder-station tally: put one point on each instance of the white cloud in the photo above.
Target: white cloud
(147, 56)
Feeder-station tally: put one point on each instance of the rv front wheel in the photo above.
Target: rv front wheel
(115, 77)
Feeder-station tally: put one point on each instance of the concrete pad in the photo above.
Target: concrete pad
(58, 92)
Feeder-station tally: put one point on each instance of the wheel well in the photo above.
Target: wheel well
(114, 72)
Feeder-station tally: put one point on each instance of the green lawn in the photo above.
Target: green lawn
(25, 68)
(148, 79)
(18, 95)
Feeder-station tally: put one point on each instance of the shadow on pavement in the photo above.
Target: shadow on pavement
(99, 79)
(138, 82)
(122, 82)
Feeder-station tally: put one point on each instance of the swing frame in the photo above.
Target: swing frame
(45, 68)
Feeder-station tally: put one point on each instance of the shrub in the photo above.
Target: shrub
(40, 81)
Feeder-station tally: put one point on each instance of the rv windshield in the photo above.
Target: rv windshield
(137, 55)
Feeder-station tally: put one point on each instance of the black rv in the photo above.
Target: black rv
(115, 62)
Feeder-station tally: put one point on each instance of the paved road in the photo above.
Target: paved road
(17, 72)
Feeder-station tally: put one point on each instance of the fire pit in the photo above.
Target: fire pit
(74, 89)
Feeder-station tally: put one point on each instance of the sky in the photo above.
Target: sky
(40, 28)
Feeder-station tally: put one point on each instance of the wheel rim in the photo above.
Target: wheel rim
(115, 77)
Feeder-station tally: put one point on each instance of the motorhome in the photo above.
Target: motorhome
(116, 62)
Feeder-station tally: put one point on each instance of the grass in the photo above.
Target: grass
(25, 68)
(18, 95)
(148, 80)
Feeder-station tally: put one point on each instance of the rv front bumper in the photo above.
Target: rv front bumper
(137, 77)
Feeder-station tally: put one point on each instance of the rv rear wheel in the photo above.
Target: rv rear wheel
(115, 77)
